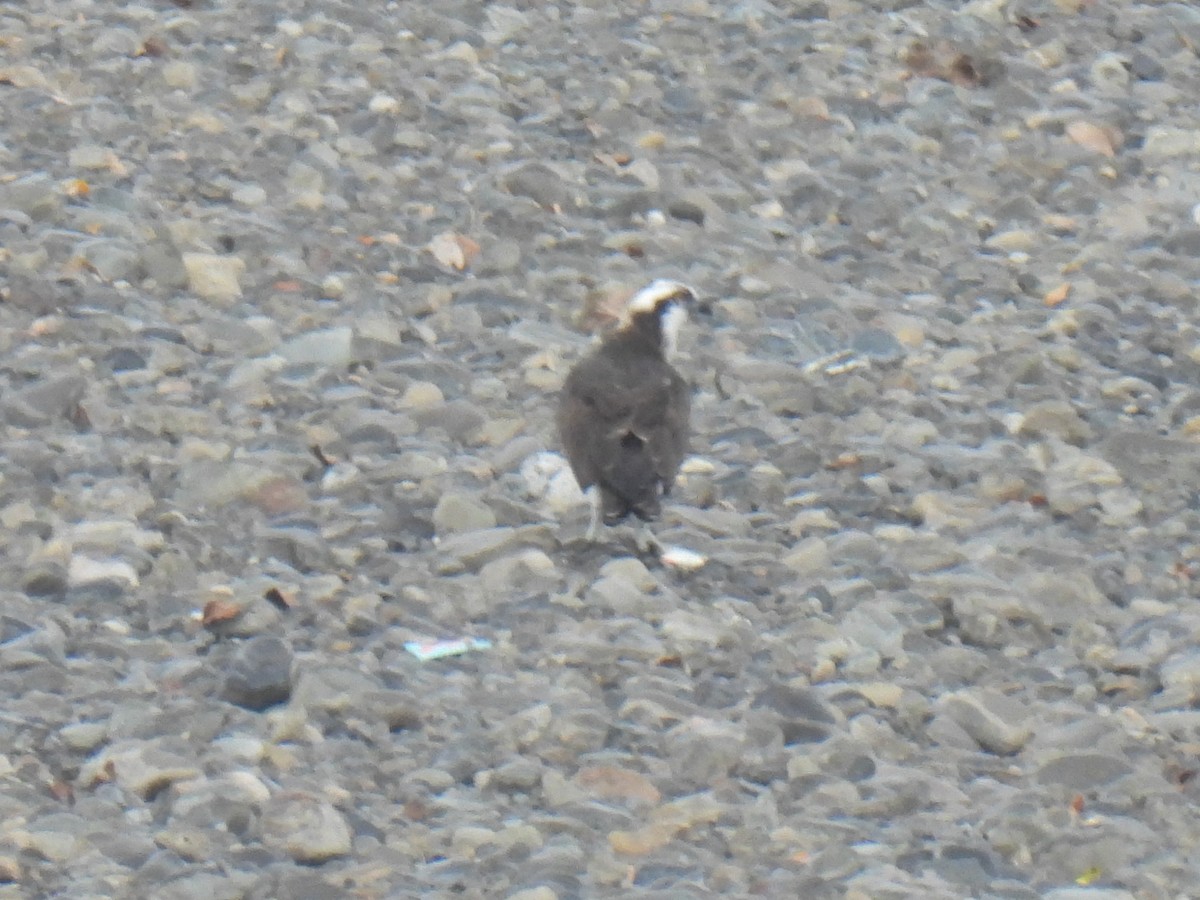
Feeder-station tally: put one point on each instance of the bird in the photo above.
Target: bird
(624, 411)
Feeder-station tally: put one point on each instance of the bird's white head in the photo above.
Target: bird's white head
(667, 300)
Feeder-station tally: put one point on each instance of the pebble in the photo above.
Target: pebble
(258, 673)
(456, 513)
(309, 830)
(333, 347)
(992, 720)
(214, 277)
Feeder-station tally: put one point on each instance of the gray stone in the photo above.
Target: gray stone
(1083, 771)
(993, 721)
(333, 347)
(457, 512)
(258, 673)
(307, 829)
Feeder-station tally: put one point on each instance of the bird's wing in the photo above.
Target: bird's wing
(625, 429)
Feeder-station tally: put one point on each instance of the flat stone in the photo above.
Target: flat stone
(307, 829)
(458, 512)
(333, 347)
(991, 719)
(214, 277)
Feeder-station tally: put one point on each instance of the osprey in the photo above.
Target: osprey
(624, 411)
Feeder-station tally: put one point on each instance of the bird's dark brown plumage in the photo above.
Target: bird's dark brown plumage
(624, 416)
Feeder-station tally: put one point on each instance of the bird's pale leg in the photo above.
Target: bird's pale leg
(646, 542)
(593, 495)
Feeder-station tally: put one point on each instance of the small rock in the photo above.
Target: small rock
(1145, 67)
(48, 399)
(142, 767)
(214, 277)
(83, 737)
(537, 893)
(806, 718)
(471, 549)
(1083, 771)
(518, 571)
(809, 557)
(618, 594)
(332, 347)
(45, 578)
(179, 74)
(989, 718)
(877, 344)
(619, 784)
(84, 572)
(422, 395)
(548, 478)
(458, 512)
(259, 674)
(541, 184)
(307, 829)
(111, 259)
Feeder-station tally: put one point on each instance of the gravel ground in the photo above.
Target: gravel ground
(287, 289)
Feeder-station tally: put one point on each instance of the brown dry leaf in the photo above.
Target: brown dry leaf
(615, 783)
(1092, 137)
(289, 286)
(1058, 295)
(219, 611)
(76, 187)
(366, 240)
